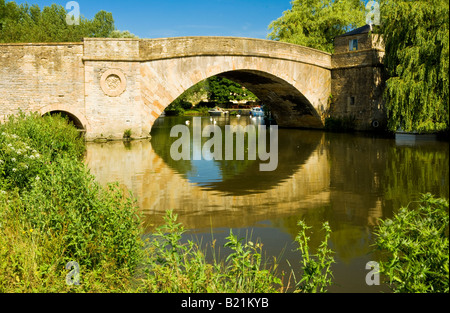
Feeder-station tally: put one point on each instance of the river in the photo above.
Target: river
(349, 180)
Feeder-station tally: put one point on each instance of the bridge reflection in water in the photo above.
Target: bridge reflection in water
(348, 180)
(236, 193)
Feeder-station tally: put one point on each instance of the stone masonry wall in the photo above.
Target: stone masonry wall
(112, 85)
(41, 77)
(357, 81)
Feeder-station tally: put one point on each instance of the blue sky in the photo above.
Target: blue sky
(175, 18)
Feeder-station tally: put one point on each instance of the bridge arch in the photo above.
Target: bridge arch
(78, 119)
(294, 81)
(292, 91)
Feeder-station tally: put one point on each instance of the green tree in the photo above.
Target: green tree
(315, 23)
(222, 90)
(122, 34)
(25, 23)
(415, 34)
(102, 25)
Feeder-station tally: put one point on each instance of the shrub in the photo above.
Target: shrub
(52, 211)
(20, 163)
(52, 135)
(98, 223)
(415, 244)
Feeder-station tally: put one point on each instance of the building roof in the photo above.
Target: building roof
(361, 30)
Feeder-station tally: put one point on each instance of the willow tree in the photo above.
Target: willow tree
(416, 35)
(315, 23)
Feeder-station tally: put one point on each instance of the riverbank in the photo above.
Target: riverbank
(56, 219)
(63, 232)
(60, 231)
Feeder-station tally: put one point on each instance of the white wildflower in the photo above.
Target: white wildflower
(13, 159)
(14, 170)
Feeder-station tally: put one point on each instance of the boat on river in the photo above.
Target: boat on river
(257, 111)
(217, 112)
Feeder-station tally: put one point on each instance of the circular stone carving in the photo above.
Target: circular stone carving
(113, 82)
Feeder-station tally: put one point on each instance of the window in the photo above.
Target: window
(353, 44)
(351, 100)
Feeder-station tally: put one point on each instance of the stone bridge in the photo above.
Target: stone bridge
(107, 86)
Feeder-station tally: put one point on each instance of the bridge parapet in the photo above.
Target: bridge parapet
(144, 50)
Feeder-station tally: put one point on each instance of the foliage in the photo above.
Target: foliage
(222, 90)
(416, 40)
(317, 274)
(246, 270)
(20, 164)
(28, 142)
(55, 212)
(51, 135)
(32, 260)
(177, 267)
(315, 23)
(97, 222)
(216, 89)
(25, 23)
(122, 34)
(127, 134)
(52, 211)
(178, 106)
(416, 245)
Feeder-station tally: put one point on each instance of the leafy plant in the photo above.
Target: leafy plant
(317, 274)
(127, 134)
(415, 243)
(52, 211)
(182, 267)
(246, 270)
(172, 266)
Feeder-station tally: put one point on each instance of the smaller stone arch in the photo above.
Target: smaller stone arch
(78, 119)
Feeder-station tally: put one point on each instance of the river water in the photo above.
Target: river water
(349, 180)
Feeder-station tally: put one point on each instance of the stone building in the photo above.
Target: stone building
(357, 79)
